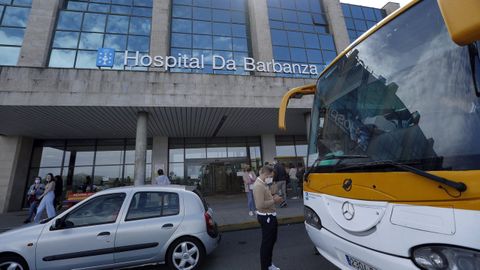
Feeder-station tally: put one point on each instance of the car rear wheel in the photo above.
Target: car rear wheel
(185, 253)
(12, 263)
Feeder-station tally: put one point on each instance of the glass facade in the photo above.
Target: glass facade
(213, 164)
(85, 26)
(109, 163)
(210, 27)
(300, 33)
(359, 19)
(291, 150)
(13, 22)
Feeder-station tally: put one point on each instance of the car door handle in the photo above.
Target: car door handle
(104, 234)
(168, 225)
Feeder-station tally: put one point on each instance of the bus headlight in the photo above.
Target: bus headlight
(446, 258)
(312, 218)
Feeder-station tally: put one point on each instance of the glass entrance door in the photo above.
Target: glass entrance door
(225, 176)
(233, 175)
(196, 174)
(215, 177)
(219, 177)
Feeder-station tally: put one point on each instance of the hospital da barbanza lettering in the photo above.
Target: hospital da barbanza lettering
(218, 62)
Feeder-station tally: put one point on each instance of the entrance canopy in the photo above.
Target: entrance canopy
(45, 122)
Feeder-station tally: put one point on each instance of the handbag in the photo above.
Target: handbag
(31, 199)
(252, 181)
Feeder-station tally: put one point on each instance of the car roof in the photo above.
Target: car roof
(167, 188)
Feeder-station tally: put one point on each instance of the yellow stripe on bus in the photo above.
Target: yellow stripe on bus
(400, 187)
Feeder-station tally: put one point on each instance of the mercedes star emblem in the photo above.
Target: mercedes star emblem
(348, 210)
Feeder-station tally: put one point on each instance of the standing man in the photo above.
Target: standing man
(33, 194)
(266, 216)
(161, 180)
(280, 178)
(300, 173)
(292, 172)
(58, 191)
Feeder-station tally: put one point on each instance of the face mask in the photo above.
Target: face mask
(268, 180)
(37, 181)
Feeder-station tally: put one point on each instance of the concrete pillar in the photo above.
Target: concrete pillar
(15, 155)
(260, 35)
(336, 23)
(160, 33)
(39, 33)
(159, 155)
(141, 148)
(390, 7)
(269, 150)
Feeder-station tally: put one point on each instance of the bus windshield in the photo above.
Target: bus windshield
(404, 94)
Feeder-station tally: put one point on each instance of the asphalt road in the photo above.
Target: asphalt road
(240, 250)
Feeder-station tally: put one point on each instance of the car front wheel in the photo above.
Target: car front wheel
(185, 253)
(12, 263)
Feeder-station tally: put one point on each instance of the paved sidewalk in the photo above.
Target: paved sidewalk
(12, 220)
(229, 211)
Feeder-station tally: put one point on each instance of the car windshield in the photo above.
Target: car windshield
(405, 94)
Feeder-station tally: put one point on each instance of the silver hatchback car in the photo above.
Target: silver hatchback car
(116, 228)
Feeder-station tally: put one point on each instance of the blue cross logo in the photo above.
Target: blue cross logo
(105, 57)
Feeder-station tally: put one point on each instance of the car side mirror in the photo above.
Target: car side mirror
(59, 224)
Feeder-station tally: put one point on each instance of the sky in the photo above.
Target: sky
(374, 3)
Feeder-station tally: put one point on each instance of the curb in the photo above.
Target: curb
(254, 224)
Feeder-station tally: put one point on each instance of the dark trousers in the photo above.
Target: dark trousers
(32, 210)
(269, 237)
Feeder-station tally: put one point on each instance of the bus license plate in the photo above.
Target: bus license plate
(358, 264)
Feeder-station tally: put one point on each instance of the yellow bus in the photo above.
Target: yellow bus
(393, 179)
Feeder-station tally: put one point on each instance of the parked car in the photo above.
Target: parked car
(116, 228)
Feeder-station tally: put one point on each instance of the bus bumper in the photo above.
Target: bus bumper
(339, 252)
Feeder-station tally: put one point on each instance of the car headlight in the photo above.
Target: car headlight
(312, 218)
(446, 258)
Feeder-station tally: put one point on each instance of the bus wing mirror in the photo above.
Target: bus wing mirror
(296, 92)
(462, 20)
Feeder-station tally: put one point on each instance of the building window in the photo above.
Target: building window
(359, 19)
(300, 34)
(109, 163)
(291, 150)
(13, 22)
(85, 26)
(207, 28)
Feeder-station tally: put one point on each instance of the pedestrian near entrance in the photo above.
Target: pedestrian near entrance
(249, 178)
(58, 192)
(33, 197)
(266, 216)
(162, 179)
(280, 178)
(300, 173)
(88, 186)
(292, 173)
(47, 199)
